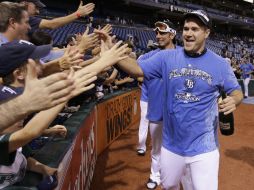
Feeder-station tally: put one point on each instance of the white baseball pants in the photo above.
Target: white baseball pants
(143, 126)
(156, 138)
(204, 170)
(246, 86)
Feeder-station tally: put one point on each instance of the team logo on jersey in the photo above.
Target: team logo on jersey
(191, 72)
(189, 83)
(187, 97)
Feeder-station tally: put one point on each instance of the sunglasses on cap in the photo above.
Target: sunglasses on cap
(162, 28)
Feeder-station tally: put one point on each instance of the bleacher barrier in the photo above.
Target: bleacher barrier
(90, 130)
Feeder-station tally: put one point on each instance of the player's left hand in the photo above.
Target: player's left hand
(227, 105)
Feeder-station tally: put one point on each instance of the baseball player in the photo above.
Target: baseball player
(152, 109)
(247, 69)
(192, 77)
(143, 125)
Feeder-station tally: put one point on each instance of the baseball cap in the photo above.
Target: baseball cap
(201, 15)
(38, 3)
(16, 53)
(165, 26)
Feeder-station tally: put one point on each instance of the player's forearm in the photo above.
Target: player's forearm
(57, 22)
(131, 67)
(237, 95)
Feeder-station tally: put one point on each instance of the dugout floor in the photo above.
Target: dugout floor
(119, 168)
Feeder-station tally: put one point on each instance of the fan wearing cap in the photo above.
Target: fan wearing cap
(14, 82)
(13, 65)
(34, 7)
(151, 102)
(12, 68)
(192, 77)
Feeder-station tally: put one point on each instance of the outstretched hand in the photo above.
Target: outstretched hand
(104, 35)
(84, 10)
(71, 57)
(114, 54)
(47, 92)
(83, 81)
(88, 41)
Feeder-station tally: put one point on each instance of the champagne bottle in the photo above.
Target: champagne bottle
(226, 121)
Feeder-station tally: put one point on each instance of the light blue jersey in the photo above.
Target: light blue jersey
(191, 88)
(144, 97)
(144, 87)
(153, 92)
(246, 69)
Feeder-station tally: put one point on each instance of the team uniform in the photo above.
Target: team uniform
(246, 69)
(190, 113)
(154, 115)
(143, 125)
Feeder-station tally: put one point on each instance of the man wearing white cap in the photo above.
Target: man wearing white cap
(151, 103)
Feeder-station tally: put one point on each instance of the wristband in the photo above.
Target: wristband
(78, 14)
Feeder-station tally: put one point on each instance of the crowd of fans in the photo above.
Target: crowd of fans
(237, 51)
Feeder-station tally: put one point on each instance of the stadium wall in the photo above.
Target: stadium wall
(90, 131)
